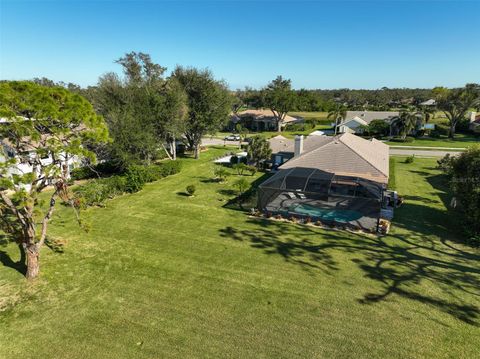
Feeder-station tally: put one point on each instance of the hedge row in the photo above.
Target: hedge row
(102, 169)
(97, 191)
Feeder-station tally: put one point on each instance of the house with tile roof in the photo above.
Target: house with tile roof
(340, 180)
(260, 120)
(355, 121)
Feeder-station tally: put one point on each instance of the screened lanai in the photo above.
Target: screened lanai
(323, 196)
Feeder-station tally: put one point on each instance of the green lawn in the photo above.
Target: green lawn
(461, 141)
(319, 116)
(165, 275)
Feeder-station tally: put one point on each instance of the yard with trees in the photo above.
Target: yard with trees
(145, 281)
(45, 127)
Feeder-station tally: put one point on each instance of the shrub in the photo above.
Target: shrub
(410, 159)
(191, 189)
(169, 168)
(446, 163)
(241, 184)
(252, 170)
(96, 192)
(233, 160)
(220, 173)
(136, 177)
(240, 168)
(408, 139)
(81, 173)
(103, 169)
(440, 130)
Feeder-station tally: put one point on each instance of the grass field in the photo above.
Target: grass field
(165, 275)
(461, 141)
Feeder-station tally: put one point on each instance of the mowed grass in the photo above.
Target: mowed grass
(165, 275)
(461, 140)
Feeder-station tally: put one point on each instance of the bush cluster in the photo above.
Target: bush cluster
(102, 169)
(407, 139)
(96, 192)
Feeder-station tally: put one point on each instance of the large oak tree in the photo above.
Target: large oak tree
(455, 103)
(279, 98)
(209, 104)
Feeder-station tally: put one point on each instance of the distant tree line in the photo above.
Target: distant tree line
(382, 99)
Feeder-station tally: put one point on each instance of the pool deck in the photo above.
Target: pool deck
(284, 202)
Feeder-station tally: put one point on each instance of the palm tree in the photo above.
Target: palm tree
(339, 112)
(428, 112)
(408, 121)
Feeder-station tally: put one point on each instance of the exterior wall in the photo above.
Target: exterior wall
(22, 168)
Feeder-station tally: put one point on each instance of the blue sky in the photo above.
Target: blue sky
(317, 44)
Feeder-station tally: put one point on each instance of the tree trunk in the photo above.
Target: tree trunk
(173, 145)
(197, 151)
(33, 265)
(452, 131)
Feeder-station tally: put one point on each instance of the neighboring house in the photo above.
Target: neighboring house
(430, 102)
(260, 120)
(475, 122)
(23, 160)
(355, 121)
(339, 180)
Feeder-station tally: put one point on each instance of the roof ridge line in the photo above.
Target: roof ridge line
(346, 144)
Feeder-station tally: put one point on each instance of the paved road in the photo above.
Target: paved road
(393, 151)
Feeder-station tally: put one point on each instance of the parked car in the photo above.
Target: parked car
(232, 138)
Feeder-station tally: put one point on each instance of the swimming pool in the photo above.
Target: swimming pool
(337, 215)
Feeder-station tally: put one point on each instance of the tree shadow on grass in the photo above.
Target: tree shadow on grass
(19, 266)
(399, 264)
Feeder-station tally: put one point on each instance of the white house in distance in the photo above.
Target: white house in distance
(355, 120)
(475, 122)
(23, 165)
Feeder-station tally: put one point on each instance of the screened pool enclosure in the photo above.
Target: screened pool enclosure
(345, 201)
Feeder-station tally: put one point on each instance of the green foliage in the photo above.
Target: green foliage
(38, 123)
(142, 109)
(136, 176)
(241, 184)
(446, 164)
(209, 104)
(408, 121)
(191, 189)
(408, 139)
(410, 159)
(252, 170)
(337, 113)
(378, 127)
(455, 103)
(279, 97)
(259, 151)
(82, 173)
(464, 171)
(220, 173)
(96, 192)
(306, 126)
(392, 181)
(240, 168)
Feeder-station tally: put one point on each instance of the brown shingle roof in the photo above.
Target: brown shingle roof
(347, 155)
